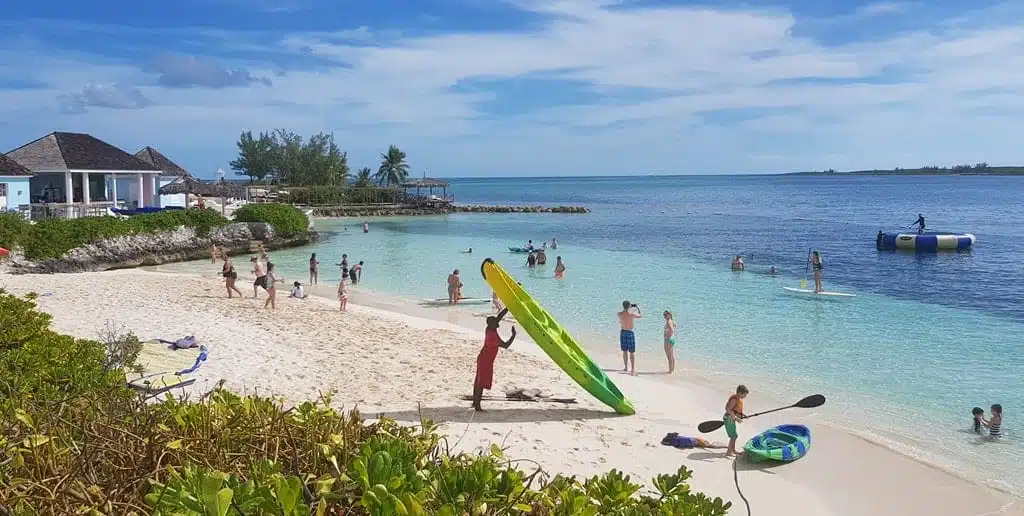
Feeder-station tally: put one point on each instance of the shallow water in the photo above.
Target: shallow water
(927, 338)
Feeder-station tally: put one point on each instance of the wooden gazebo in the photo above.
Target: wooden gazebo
(430, 184)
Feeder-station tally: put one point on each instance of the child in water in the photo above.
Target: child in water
(733, 415)
(485, 360)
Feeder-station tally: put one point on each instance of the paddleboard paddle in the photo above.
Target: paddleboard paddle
(807, 265)
(814, 400)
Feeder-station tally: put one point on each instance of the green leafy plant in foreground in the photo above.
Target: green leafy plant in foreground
(75, 440)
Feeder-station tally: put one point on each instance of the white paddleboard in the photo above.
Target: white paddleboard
(810, 292)
(463, 301)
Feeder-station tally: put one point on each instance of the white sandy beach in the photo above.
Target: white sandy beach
(391, 362)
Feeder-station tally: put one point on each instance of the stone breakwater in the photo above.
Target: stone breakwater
(403, 211)
(182, 244)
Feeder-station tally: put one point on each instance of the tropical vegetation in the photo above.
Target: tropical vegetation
(930, 170)
(47, 239)
(75, 440)
(393, 170)
(283, 157)
(286, 219)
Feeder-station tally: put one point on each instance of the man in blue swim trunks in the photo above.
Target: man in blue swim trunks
(627, 340)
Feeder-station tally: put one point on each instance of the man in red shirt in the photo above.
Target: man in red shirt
(485, 360)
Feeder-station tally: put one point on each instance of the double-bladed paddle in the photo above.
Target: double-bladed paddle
(815, 400)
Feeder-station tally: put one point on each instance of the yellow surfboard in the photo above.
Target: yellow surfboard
(553, 339)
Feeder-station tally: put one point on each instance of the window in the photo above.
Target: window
(3, 189)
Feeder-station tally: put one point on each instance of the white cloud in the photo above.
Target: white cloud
(862, 104)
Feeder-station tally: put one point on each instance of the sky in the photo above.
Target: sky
(529, 87)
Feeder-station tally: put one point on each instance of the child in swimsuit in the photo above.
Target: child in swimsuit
(733, 415)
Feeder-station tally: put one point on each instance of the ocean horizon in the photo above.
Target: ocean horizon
(928, 336)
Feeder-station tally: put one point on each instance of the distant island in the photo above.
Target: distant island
(979, 169)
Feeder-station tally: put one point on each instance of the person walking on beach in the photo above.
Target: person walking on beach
(627, 339)
(213, 253)
(559, 267)
(485, 360)
(314, 269)
(454, 283)
(818, 267)
(261, 276)
(230, 275)
(670, 341)
(919, 223)
(343, 295)
(734, 414)
(271, 286)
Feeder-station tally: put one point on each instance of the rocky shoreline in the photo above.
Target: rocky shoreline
(179, 245)
(402, 211)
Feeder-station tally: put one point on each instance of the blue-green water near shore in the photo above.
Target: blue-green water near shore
(927, 338)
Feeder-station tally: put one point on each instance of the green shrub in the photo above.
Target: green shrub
(75, 440)
(13, 229)
(48, 239)
(286, 219)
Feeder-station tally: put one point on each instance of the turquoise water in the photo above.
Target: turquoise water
(927, 338)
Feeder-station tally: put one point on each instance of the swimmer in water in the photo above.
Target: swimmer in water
(773, 271)
(737, 263)
(468, 251)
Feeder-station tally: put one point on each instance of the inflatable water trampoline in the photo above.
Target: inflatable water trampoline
(928, 242)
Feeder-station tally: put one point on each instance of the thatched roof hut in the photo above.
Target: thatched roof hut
(192, 186)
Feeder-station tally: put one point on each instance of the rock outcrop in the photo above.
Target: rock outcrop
(179, 245)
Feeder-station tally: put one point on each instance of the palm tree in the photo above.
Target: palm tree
(364, 177)
(393, 168)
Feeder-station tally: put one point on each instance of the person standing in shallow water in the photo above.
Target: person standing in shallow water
(314, 269)
(485, 360)
(559, 267)
(454, 283)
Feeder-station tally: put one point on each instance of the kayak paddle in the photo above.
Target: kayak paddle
(815, 400)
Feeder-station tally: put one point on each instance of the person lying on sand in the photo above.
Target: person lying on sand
(686, 442)
(485, 360)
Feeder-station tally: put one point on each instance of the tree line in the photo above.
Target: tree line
(284, 157)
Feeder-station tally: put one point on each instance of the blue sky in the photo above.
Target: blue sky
(529, 87)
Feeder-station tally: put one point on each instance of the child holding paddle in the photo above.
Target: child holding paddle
(485, 360)
(733, 415)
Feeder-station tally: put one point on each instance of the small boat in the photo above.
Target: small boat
(784, 443)
(520, 249)
(462, 301)
(810, 292)
(928, 242)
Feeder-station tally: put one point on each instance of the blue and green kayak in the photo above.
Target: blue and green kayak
(784, 443)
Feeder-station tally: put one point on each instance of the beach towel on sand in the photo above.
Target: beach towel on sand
(686, 442)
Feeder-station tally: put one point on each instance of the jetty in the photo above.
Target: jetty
(402, 210)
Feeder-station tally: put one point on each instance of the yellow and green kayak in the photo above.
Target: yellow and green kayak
(553, 339)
